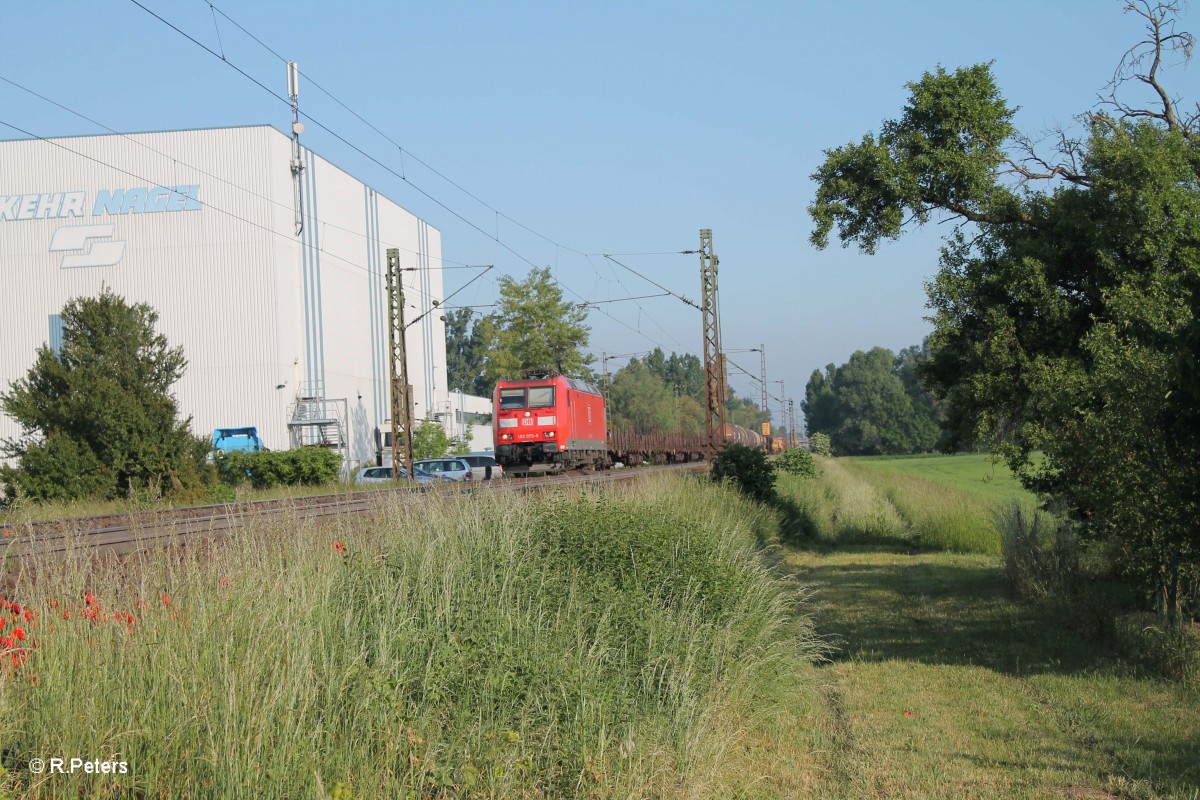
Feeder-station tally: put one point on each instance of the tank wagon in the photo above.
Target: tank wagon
(548, 423)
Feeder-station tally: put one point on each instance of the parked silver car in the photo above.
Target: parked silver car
(451, 468)
(485, 467)
(384, 475)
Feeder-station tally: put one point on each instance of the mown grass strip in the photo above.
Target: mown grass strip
(946, 686)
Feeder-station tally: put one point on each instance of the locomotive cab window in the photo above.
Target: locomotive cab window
(512, 398)
(541, 396)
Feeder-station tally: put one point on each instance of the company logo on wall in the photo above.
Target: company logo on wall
(93, 245)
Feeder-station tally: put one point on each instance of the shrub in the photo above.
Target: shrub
(749, 470)
(306, 466)
(819, 443)
(97, 418)
(1040, 555)
(795, 461)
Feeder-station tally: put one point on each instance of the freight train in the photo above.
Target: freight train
(549, 423)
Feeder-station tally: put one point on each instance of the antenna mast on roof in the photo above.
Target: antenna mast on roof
(293, 80)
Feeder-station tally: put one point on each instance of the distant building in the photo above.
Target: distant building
(283, 330)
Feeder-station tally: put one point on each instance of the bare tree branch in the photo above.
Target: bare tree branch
(1032, 166)
(1143, 61)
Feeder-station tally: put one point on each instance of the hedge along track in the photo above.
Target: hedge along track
(116, 534)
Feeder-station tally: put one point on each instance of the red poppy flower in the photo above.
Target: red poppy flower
(66, 613)
(3, 622)
(28, 615)
(339, 547)
(89, 599)
(19, 634)
(166, 600)
(908, 713)
(226, 582)
(6, 643)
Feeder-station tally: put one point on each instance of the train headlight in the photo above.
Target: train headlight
(549, 434)
(506, 437)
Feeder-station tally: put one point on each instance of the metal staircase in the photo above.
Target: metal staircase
(315, 420)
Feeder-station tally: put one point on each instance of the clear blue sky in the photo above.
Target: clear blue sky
(617, 127)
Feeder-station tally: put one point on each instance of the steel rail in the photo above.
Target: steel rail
(121, 533)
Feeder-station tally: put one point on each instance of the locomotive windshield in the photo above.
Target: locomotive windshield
(538, 397)
(512, 398)
(541, 396)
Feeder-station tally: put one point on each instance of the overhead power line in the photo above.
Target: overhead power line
(177, 160)
(401, 175)
(151, 182)
(401, 150)
(647, 280)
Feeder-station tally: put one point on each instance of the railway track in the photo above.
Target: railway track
(122, 533)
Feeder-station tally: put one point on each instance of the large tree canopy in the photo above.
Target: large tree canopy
(97, 417)
(666, 393)
(534, 327)
(871, 405)
(467, 344)
(1066, 305)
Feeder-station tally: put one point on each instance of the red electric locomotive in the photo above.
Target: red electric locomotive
(549, 422)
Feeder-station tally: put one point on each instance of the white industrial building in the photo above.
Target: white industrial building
(281, 312)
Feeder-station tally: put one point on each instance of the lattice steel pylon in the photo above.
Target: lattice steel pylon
(401, 391)
(793, 440)
(714, 374)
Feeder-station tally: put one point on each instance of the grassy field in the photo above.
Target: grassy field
(609, 645)
(975, 476)
(943, 685)
(938, 502)
(640, 643)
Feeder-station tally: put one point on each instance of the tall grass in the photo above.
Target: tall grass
(562, 647)
(943, 518)
(841, 507)
(1046, 564)
(854, 502)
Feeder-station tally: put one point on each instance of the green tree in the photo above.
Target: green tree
(467, 342)
(1066, 305)
(685, 374)
(820, 403)
(867, 409)
(430, 440)
(909, 364)
(743, 411)
(97, 418)
(535, 328)
(639, 399)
